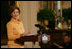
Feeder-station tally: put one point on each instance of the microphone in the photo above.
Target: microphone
(39, 26)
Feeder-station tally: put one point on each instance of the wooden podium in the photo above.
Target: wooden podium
(56, 37)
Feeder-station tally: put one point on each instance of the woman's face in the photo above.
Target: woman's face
(15, 14)
(45, 22)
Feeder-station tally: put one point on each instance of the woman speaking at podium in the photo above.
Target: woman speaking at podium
(15, 28)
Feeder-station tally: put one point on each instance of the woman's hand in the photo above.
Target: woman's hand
(22, 35)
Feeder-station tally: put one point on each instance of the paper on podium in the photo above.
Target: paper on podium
(31, 34)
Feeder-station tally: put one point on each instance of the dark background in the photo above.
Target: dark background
(5, 17)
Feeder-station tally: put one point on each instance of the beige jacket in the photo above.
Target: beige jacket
(14, 29)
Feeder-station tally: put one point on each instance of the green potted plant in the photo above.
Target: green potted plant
(46, 14)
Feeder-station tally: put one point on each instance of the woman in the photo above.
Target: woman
(46, 24)
(14, 28)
